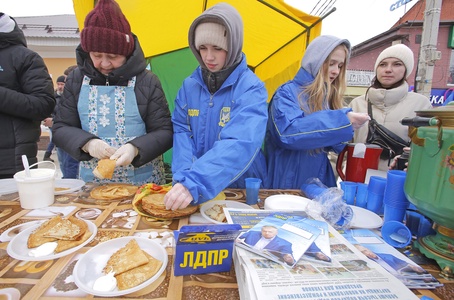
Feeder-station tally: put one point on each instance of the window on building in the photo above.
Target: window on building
(418, 39)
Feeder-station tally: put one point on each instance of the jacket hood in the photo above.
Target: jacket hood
(134, 64)
(319, 50)
(15, 37)
(228, 16)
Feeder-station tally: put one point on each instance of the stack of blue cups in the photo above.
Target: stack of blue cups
(395, 201)
(361, 195)
(375, 193)
(349, 188)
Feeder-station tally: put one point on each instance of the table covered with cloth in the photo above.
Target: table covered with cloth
(53, 279)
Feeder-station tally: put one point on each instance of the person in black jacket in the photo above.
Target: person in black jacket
(26, 98)
(112, 106)
(49, 121)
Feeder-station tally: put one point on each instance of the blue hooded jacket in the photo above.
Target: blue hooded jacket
(218, 137)
(293, 135)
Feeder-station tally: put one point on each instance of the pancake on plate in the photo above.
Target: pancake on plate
(68, 233)
(132, 265)
(126, 258)
(113, 191)
(216, 212)
(136, 276)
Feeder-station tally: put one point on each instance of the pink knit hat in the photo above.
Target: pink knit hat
(106, 30)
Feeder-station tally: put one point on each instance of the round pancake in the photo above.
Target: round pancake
(154, 206)
(154, 201)
(113, 191)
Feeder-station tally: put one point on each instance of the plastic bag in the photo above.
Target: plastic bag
(330, 206)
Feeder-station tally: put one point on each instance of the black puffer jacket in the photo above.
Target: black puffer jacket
(26, 98)
(153, 108)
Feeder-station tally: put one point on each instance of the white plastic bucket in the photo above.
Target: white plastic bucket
(38, 190)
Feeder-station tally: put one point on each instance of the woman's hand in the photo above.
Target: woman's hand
(357, 119)
(125, 154)
(98, 149)
(178, 197)
(393, 164)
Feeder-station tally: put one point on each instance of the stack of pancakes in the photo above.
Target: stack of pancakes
(132, 266)
(153, 204)
(68, 233)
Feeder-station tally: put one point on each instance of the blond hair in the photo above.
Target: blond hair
(320, 89)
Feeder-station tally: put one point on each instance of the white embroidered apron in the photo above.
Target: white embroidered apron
(112, 114)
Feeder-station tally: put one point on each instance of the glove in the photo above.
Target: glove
(125, 154)
(98, 149)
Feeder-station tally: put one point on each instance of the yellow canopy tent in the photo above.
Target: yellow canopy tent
(275, 36)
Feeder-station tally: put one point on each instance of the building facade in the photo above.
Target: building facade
(408, 30)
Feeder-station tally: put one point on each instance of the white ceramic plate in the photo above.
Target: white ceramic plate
(228, 203)
(286, 202)
(89, 267)
(9, 234)
(8, 186)
(10, 294)
(72, 185)
(17, 247)
(363, 218)
(51, 211)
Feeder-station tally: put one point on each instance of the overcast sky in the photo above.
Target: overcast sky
(356, 20)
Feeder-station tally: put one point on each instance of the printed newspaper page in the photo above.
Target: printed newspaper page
(396, 263)
(280, 237)
(351, 275)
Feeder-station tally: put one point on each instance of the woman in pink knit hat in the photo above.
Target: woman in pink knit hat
(112, 106)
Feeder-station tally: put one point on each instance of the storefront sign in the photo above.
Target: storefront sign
(437, 97)
(359, 78)
(398, 4)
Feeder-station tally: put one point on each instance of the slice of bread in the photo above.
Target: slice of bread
(126, 258)
(104, 169)
(136, 276)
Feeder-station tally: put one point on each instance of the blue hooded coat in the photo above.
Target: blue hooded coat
(293, 135)
(218, 136)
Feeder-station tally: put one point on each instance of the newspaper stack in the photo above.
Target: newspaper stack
(349, 274)
(396, 263)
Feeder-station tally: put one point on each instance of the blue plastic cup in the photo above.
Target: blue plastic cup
(412, 221)
(394, 191)
(396, 234)
(394, 213)
(374, 202)
(312, 190)
(361, 195)
(377, 185)
(425, 227)
(349, 189)
(252, 190)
